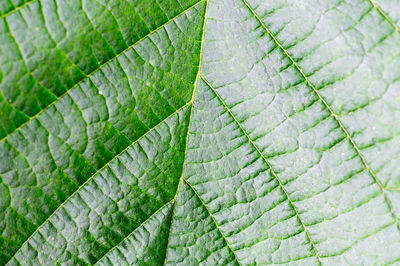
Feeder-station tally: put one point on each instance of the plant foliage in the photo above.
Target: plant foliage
(214, 132)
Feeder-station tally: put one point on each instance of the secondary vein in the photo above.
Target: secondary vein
(212, 217)
(269, 166)
(134, 230)
(385, 15)
(97, 69)
(335, 116)
(91, 177)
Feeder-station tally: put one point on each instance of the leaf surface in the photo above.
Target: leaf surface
(215, 132)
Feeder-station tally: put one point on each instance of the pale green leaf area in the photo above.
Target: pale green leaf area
(199, 132)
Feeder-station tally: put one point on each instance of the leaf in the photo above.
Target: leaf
(214, 132)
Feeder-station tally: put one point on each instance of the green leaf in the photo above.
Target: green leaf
(213, 132)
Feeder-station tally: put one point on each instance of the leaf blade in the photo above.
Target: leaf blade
(66, 144)
(97, 218)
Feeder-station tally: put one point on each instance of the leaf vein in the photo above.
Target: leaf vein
(134, 230)
(90, 178)
(269, 165)
(99, 67)
(212, 217)
(335, 116)
(386, 16)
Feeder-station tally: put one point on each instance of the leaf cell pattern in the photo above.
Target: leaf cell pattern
(212, 132)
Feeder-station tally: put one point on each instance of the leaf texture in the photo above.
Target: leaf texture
(212, 132)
